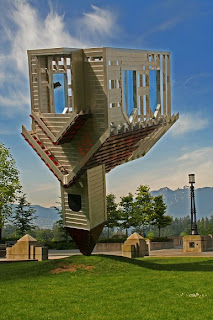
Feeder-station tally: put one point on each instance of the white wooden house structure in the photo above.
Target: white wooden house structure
(94, 109)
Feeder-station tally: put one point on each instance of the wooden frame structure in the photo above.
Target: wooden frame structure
(112, 106)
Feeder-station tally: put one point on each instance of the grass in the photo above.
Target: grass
(115, 288)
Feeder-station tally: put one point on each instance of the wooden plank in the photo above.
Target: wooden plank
(158, 90)
(114, 95)
(114, 74)
(164, 85)
(168, 87)
(143, 91)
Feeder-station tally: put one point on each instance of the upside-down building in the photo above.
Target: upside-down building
(92, 110)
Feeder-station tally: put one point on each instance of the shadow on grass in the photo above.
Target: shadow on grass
(25, 270)
(168, 264)
(34, 270)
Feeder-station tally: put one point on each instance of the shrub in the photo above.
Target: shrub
(113, 240)
(60, 245)
(161, 239)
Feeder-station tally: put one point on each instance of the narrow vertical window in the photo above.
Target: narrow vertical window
(154, 88)
(60, 91)
(129, 91)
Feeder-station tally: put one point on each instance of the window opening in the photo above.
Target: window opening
(74, 201)
(161, 81)
(144, 80)
(154, 88)
(139, 105)
(60, 91)
(144, 104)
(191, 244)
(129, 91)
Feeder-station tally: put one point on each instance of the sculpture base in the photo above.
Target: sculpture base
(86, 239)
(194, 243)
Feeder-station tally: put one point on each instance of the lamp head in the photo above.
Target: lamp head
(191, 178)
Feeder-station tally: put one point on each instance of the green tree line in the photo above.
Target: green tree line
(137, 213)
(140, 212)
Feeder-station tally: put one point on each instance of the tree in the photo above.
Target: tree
(9, 184)
(23, 216)
(159, 218)
(112, 212)
(59, 232)
(143, 213)
(126, 211)
(44, 235)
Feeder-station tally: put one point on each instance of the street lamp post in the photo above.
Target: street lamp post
(194, 229)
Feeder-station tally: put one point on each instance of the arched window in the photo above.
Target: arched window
(129, 92)
(74, 201)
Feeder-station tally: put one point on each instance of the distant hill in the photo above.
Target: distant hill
(178, 201)
(46, 217)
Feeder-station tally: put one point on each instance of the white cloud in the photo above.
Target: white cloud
(168, 24)
(44, 187)
(189, 122)
(168, 172)
(32, 32)
(15, 99)
(162, 27)
(197, 155)
(6, 132)
(26, 29)
(198, 161)
(99, 21)
(189, 81)
(46, 194)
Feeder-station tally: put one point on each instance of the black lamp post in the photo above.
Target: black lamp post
(194, 229)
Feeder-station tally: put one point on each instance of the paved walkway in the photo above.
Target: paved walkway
(58, 254)
(179, 253)
(175, 252)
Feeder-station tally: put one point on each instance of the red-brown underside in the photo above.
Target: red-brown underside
(85, 239)
(73, 128)
(116, 149)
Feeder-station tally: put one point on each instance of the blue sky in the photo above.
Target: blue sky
(182, 27)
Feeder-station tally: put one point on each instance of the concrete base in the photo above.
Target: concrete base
(135, 246)
(27, 248)
(3, 250)
(194, 243)
(159, 245)
(108, 246)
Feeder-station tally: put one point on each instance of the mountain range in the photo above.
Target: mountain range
(45, 217)
(177, 201)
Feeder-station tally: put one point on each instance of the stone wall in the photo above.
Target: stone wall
(159, 245)
(108, 247)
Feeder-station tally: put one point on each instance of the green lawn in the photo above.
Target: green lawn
(115, 288)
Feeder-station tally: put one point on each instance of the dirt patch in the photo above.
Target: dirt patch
(72, 268)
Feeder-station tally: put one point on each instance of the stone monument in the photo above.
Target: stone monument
(135, 246)
(27, 248)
